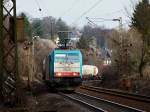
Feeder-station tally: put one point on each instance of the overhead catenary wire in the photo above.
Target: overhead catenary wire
(84, 13)
(39, 8)
(92, 21)
(111, 13)
(74, 3)
(103, 19)
(38, 5)
(95, 20)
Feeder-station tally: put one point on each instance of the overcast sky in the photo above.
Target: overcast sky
(71, 10)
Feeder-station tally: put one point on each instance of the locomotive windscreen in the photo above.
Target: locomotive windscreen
(67, 63)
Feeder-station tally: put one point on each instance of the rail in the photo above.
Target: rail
(121, 107)
(132, 96)
(88, 105)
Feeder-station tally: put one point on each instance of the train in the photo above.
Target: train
(89, 72)
(62, 69)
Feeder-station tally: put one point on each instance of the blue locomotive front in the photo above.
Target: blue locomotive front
(63, 69)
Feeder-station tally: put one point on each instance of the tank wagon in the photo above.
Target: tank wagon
(63, 69)
(89, 72)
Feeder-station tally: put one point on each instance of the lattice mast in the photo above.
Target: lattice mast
(9, 77)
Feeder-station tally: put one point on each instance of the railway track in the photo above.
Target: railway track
(136, 97)
(98, 104)
(84, 103)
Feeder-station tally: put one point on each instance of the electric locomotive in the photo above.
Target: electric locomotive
(63, 69)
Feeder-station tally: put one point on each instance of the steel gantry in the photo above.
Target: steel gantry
(9, 78)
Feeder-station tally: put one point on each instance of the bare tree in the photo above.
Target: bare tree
(130, 52)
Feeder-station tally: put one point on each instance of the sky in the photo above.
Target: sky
(74, 12)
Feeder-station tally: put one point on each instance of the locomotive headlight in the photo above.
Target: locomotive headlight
(59, 74)
(75, 74)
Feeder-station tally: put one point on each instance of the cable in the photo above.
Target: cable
(84, 13)
(39, 8)
(111, 13)
(70, 8)
(91, 21)
(38, 5)
(100, 21)
(104, 19)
